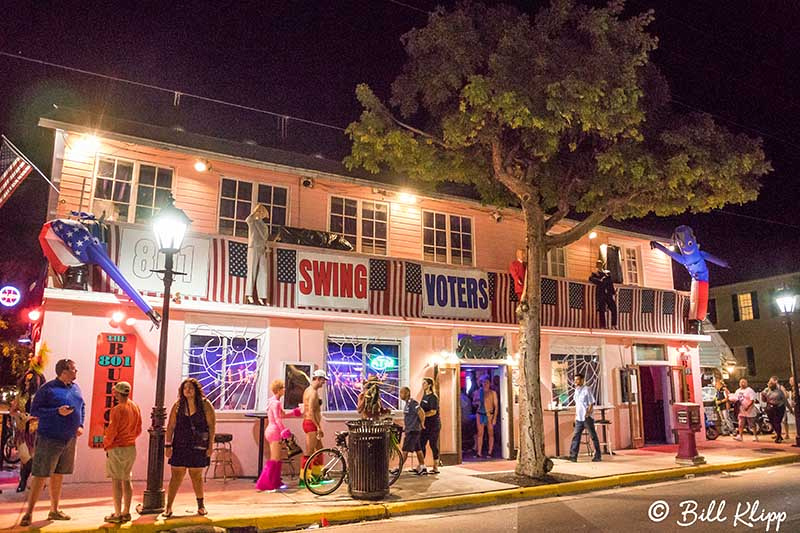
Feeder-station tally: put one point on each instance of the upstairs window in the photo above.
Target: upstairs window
(447, 238)
(364, 223)
(554, 264)
(130, 191)
(238, 198)
(745, 306)
(632, 262)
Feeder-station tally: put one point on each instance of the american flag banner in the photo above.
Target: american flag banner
(100, 280)
(563, 303)
(14, 168)
(227, 273)
(503, 297)
(284, 277)
(408, 302)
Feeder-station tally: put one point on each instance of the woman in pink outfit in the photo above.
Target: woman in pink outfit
(270, 478)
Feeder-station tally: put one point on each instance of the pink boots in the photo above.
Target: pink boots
(270, 478)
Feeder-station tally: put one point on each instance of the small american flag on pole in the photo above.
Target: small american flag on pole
(14, 167)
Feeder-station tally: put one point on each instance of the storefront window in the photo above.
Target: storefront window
(227, 364)
(350, 361)
(565, 367)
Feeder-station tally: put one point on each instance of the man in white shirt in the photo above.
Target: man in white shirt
(584, 404)
(746, 398)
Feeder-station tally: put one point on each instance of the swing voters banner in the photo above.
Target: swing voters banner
(455, 293)
(332, 281)
(114, 361)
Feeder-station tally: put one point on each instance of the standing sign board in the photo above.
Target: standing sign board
(139, 256)
(325, 280)
(114, 361)
(455, 293)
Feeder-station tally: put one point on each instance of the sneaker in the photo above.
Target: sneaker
(597, 459)
(755, 439)
(421, 471)
(58, 515)
(737, 437)
(573, 459)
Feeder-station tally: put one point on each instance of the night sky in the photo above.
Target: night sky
(735, 60)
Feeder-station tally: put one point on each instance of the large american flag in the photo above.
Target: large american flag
(14, 168)
(503, 298)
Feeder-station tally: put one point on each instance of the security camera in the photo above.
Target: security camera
(498, 217)
(308, 183)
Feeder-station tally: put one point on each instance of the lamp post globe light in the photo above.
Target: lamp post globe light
(787, 303)
(169, 226)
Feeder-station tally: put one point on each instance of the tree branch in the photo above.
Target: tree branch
(412, 129)
(579, 230)
(523, 190)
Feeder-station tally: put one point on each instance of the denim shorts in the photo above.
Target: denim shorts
(53, 456)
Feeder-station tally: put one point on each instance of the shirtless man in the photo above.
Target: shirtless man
(312, 422)
(485, 399)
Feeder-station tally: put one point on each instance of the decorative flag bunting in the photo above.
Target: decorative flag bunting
(395, 289)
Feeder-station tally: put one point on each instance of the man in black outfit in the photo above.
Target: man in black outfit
(601, 278)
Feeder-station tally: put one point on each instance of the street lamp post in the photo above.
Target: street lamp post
(169, 227)
(787, 301)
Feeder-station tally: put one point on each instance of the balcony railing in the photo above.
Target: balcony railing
(301, 277)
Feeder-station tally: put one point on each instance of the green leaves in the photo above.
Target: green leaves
(569, 101)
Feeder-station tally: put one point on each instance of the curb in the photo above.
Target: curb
(377, 511)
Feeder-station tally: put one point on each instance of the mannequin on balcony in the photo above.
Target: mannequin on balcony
(601, 278)
(257, 268)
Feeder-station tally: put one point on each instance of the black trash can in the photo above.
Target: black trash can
(368, 459)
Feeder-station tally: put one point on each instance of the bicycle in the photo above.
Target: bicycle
(10, 452)
(334, 461)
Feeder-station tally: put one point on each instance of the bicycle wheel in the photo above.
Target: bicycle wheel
(334, 470)
(395, 462)
(10, 452)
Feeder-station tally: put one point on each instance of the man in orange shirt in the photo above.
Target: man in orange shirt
(119, 441)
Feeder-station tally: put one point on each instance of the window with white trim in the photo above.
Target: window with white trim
(633, 264)
(228, 363)
(351, 360)
(364, 223)
(135, 190)
(447, 238)
(238, 198)
(555, 263)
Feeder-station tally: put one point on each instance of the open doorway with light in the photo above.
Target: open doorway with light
(483, 397)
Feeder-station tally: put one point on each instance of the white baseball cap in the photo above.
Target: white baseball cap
(319, 374)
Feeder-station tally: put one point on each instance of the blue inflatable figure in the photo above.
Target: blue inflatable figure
(688, 254)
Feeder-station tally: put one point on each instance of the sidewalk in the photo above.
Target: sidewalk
(235, 503)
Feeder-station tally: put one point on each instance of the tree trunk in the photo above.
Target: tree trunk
(532, 460)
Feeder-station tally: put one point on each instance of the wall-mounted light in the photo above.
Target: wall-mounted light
(34, 315)
(87, 144)
(202, 165)
(117, 316)
(593, 235)
(406, 197)
(130, 321)
(497, 216)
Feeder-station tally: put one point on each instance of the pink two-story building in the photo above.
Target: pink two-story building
(426, 286)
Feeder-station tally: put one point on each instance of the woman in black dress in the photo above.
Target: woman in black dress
(190, 439)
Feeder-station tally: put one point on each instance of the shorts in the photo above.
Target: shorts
(747, 422)
(309, 426)
(53, 456)
(119, 462)
(411, 441)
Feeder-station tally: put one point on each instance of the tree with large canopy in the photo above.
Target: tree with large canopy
(558, 114)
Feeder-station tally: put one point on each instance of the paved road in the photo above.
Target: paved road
(626, 510)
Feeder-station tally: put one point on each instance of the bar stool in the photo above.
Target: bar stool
(222, 455)
(604, 439)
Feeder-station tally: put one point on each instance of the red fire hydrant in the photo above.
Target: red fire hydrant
(687, 422)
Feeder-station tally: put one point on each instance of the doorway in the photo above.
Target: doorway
(471, 377)
(656, 404)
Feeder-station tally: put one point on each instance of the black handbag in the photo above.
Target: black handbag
(199, 438)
